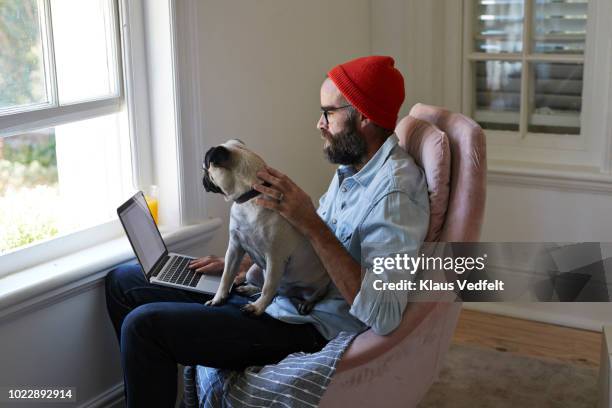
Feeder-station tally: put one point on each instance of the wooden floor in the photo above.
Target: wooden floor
(528, 338)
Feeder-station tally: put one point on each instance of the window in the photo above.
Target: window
(65, 160)
(553, 57)
(525, 78)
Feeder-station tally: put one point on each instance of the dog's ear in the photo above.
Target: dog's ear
(217, 155)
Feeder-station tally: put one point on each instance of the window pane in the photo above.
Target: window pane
(499, 26)
(22, 71)
(84, 49)
(498, 94)
(556, 101)
(61, 180)
(560, 26)
(29, 191)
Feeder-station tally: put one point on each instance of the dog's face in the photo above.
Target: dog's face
(230, 169)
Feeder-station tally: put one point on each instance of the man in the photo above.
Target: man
(376, 205)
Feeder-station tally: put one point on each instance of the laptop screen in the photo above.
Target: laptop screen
(142, 231)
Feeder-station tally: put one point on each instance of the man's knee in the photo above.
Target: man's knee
(110, 279)
(121, 272)
(121, 278)
(140, 321)
(111, 284)
(116, 283)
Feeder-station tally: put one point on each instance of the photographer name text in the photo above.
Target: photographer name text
(429, 285)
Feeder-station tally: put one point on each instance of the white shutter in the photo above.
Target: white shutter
(528, 64)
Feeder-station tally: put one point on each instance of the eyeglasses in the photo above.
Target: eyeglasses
(326, 111)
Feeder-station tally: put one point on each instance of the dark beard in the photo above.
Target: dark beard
(347, 147)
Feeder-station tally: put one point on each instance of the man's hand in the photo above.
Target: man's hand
(210, 264)
(213, 265)
(288, 199)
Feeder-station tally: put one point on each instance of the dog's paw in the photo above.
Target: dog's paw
(218, 300)
(253, 309)
(305, 308)
(248, 290)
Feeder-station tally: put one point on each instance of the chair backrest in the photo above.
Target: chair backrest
(429, 147)
(466, 204)
(463, 216)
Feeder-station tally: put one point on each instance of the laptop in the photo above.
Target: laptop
(159, 266)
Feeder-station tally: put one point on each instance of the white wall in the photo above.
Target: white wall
(538, 214)
(517, 213)
(69, 342)
(424, 37)
(262, 65)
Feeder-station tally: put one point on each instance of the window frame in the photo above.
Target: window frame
(50, 114)
(133, 97)
(583, 151)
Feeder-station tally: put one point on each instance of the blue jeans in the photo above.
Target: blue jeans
(158, 327)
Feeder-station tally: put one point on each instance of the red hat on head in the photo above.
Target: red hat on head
(372, 85)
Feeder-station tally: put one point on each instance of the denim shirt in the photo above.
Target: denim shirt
(381, 210)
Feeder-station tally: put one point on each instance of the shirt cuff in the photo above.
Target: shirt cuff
(379, 309)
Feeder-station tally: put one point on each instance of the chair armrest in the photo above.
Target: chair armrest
(369, 345)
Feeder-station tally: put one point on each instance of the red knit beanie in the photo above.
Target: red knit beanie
(373, 86)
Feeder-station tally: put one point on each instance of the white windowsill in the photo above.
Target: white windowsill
(576, 178)
(56, 277)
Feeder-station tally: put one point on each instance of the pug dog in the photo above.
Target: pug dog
(289, 263)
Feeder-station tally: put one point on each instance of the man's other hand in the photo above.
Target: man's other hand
(288, 199)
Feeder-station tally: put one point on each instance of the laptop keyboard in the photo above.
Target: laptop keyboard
(179, 273)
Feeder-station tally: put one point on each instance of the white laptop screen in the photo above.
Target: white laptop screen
(142, 232)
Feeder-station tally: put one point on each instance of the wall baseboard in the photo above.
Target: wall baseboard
(604, 368)
(111, 398)
(524, 311)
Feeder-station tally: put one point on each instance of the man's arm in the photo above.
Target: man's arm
(395, 225)
(343, 270)
(296, 206)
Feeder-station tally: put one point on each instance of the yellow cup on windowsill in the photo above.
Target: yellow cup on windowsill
(152, 202)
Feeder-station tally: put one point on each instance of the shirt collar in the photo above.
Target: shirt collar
(369, 170)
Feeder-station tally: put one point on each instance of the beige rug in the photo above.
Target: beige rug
(476, 377)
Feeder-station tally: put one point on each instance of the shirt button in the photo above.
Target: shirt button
(344, 189)
(343, 205)
(334, 221)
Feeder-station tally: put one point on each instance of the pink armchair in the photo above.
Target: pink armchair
(397, 370)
